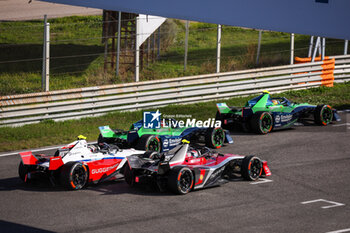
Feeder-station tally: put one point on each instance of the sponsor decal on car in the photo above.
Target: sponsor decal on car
(174, 141)
(286, 118)
(104, 169)
(165, 143)
(278, 119)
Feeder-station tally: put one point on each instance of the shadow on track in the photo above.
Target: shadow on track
(105, 188)
(18, 228)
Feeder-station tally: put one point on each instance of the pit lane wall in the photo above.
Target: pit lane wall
(17, 110)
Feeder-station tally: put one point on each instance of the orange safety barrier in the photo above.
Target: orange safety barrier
(327, 69)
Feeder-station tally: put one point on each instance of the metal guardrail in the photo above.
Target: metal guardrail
(93, 101)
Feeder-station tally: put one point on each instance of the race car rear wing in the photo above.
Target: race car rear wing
(223, 108)
(106, 131)
(28, 158)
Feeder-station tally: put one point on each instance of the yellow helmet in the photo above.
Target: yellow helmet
(81, 137)
(185, 141)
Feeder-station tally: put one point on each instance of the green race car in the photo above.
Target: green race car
(264, 113)
(164, 138)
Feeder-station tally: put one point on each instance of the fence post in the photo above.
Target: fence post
(310, 46)
(186, 43)
(259, 45)
(346, 47)
(118, 43)
(317, 45)
(45, 77)
(218, 49)
(158, 43)
(323, 48)
(106, 39)
(292, 48)
(137, 53)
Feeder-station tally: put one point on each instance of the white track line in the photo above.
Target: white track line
(340, 231)
(344, 124)
(36, 150)
(345, 110)
(261, 181)
(333, 203)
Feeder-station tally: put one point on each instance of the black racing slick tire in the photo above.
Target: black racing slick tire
(261, 122)
(149, 142)
(180, 180)
(251, 168)
(129, 175)
(74, 175)
(215, 137)
(23, 171)
(323, 114)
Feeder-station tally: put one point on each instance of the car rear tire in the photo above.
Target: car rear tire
(129, 175)
(215, 137)
(180, 180)
(323, 115)
(148, 143)
(74, 175)
(251, 168)
(262, 122)
(23, 171)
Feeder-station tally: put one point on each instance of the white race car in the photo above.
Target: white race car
(76, 164)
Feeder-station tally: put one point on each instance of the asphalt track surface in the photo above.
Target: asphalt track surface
(309, 165)
(12, 10)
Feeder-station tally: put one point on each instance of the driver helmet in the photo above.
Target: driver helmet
(93, 148)
(275, 102)
(194, 153)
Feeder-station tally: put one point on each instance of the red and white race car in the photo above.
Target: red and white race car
(76, 164)
(185, 168)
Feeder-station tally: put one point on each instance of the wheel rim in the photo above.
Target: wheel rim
(79, 177)
(185, 181)
(218, 138)
(326, 115)
(255, 169)
(266, 123)
(153, 144)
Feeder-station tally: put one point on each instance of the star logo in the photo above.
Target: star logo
(151, 120)
(155, 115)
